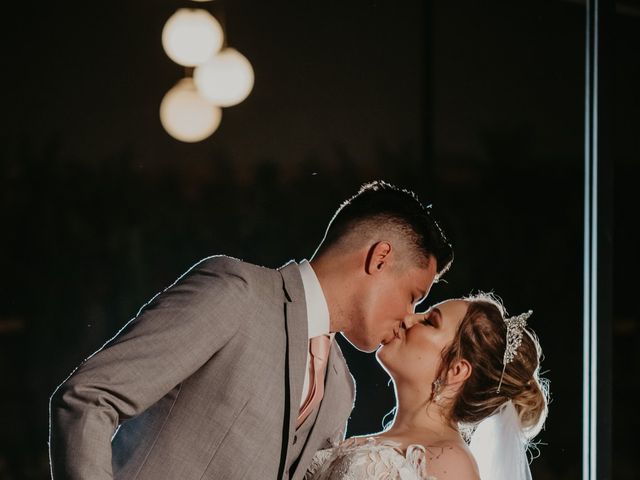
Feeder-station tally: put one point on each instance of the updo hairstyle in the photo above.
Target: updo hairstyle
(481, 340)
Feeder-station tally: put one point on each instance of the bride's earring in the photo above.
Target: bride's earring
(435, 390)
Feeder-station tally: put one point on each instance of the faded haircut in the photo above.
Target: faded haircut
(381, 207)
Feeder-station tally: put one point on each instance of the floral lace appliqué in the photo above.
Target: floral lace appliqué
(369, 458)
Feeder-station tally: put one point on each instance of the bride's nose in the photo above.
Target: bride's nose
(411, 319)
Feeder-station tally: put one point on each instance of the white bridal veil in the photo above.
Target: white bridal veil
(500, 446)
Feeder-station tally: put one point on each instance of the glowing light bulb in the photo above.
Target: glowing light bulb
(226, 79)
(186, 115)
(191, 36)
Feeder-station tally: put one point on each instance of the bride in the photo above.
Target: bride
(461, 370)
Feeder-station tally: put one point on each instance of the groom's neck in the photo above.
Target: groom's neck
(335, 274)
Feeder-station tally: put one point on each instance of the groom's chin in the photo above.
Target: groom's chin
(363, 345)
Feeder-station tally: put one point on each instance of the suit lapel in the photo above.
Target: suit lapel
(297, 340)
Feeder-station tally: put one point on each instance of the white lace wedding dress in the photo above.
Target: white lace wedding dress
(369, 458)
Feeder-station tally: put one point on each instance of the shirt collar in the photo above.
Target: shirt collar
(317, 309)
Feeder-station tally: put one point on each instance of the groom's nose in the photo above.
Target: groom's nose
(411, 319)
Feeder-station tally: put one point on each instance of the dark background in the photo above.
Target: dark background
(476, 106)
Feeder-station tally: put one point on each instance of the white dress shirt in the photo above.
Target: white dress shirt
(317, 314)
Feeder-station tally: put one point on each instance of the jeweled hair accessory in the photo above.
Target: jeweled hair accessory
(515, 330)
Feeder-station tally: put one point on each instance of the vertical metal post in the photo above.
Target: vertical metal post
(597, 298)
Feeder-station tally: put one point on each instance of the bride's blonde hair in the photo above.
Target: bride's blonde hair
(481, 340)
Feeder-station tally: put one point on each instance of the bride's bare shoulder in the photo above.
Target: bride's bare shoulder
(448, 461)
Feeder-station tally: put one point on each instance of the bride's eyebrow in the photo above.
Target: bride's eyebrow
(429, 311)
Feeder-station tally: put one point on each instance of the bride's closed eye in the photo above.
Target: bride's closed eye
(432, 318)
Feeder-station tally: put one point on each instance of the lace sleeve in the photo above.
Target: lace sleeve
(317, 462)
(416, 455)
(369, 459)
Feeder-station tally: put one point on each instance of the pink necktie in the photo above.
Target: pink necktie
(319, 347)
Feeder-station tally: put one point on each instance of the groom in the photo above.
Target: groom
(233, 372)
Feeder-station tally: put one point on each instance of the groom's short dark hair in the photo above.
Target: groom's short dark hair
(379, 205)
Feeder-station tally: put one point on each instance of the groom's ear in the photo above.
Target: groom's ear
(378, 257)
(459, 372)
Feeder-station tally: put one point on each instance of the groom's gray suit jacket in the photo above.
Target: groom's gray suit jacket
(205, 383)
